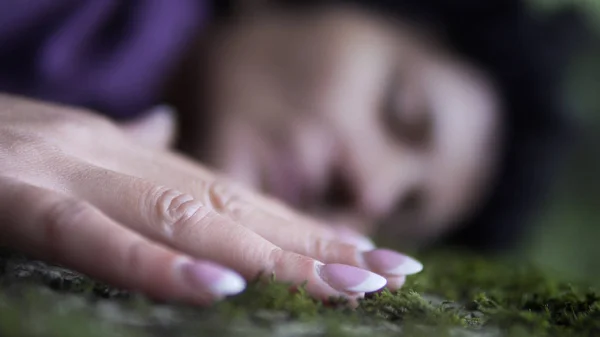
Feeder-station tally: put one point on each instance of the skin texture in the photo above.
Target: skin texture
(80, 191)
(356, 119)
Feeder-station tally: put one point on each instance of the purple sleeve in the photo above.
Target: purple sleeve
(113, 56)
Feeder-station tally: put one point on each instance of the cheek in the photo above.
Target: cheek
(463, 158)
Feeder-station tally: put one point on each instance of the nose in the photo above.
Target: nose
(375, 188)
(383, 187)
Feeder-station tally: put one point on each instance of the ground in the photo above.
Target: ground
(456, 295)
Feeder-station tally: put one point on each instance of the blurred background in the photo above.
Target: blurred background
(566, 236)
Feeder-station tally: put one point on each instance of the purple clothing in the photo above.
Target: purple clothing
(113, 56)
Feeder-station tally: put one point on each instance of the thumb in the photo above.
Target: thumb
(155, 129)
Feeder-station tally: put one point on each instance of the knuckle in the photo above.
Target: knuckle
(175, 211)
(225, 199)
(59, 221)
(134, 256)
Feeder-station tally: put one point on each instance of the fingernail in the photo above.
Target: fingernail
(350, 279)
(389, 262)
(350, 236)
(204, 275)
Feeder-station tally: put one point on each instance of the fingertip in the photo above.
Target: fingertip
(208, 277)
(350, 279)
(389, 262)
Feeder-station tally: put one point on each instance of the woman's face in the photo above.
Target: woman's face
(357, 120)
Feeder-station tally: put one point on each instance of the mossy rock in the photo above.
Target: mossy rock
(456, 295)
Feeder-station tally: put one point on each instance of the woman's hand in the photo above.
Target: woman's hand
(77, 190)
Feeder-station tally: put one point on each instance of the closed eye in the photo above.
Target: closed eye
(404, 113)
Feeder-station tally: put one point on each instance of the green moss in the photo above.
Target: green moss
(455, 295)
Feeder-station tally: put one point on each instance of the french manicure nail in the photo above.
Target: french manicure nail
(389, 262)
(350, 279)
(218, 280)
